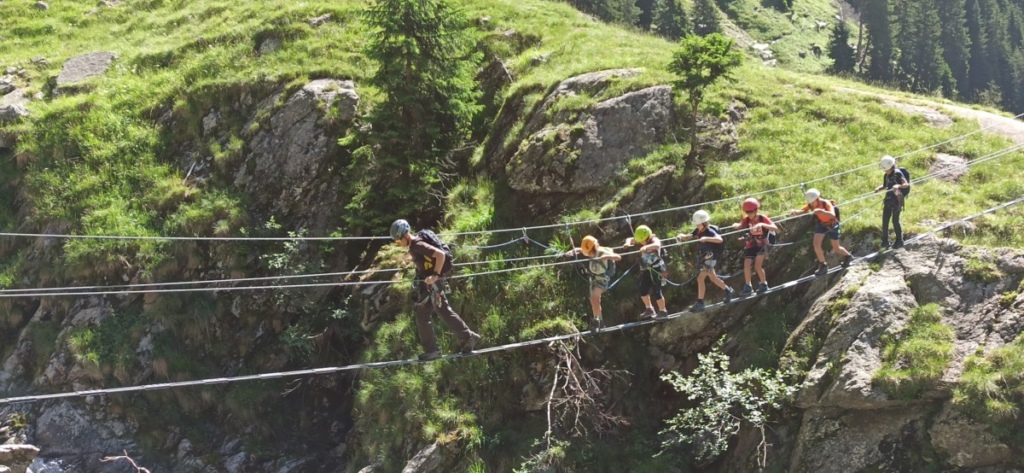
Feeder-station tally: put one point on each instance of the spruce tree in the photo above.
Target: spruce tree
(921, 66)
(671, 20)
(955, 41)
(648, 9)
(979, 66)
(425, 66)
(705, 18)
(876, 20)
(843, 56)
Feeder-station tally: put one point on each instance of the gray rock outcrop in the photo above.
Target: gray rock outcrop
(849, 423)
(12, 106)
(80, 437)
(17, 457)
(289, 167)
(948, 167)
(573, 152)
(81, 68)
(427, 460)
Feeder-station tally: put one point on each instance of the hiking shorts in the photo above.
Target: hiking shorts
(831, 232)
(599, 282)
(707, 261)
(753, 251)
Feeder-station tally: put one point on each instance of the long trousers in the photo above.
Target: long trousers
(891, 211)
(424, 320)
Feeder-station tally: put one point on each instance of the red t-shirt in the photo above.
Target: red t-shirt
(758, 235)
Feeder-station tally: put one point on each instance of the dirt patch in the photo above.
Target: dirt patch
(993, 123)
(934, 117)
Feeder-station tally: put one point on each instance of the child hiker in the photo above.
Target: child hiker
(759, 227)
(651, 268)
(825, 225)
(601, 267)
(710, 251)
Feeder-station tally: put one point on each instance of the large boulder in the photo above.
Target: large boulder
(577, 140)
(80, 437)
(81, 68)
(289, 169)
(12, 108)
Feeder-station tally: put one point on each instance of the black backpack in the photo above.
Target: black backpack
(906, 175)
(430, 238)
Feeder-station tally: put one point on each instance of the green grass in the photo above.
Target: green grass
(915, 358)
(991, 386)
(100, 163)
(789, 33)
(981, 270)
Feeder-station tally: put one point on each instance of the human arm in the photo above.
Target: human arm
(653, 246)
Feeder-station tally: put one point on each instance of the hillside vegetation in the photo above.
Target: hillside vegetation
(116, 158)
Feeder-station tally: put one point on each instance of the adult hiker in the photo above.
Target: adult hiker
(601, 266)
(430, 260)
(895, 184)
(826, 224)
(711, 246)
(651, 268)
(759, 229)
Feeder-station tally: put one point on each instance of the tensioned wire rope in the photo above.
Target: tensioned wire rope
(488, 232)
(69, 291)
(480, 352)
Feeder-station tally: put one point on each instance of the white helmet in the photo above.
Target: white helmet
(887, 162)
(700, 217)
(812, 195)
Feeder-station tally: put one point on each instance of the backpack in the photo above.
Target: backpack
(906, 175)
(430, 238)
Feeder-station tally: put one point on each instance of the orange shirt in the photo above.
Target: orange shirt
(824, 205)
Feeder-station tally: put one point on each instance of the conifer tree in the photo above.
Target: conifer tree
(839, 49)
(705, 18)
(671, 20)
(424, 71)
(921, 65)
(955, 41)
(875, 16)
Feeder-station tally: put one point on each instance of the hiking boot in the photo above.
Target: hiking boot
(596, 325)
(470, 344)
(728, 295)
(746, 290)
(885, 245)
(847, 261)
(430, 355)
(762, 288)
(822, 269)
(662, 314)
(897, 245)
(698, 307)
(648, 314)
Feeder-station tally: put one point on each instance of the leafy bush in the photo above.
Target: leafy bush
(724, 401)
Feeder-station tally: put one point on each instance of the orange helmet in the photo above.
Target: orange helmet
(588, 244)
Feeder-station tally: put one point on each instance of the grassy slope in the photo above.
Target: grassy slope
(180, 54)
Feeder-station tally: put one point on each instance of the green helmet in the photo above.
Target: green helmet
(642, 233)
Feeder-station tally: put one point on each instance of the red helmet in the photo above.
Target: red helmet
(751, 205)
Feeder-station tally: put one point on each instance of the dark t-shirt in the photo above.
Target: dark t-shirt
(715, 248)
(422, 257)
(890, 180)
